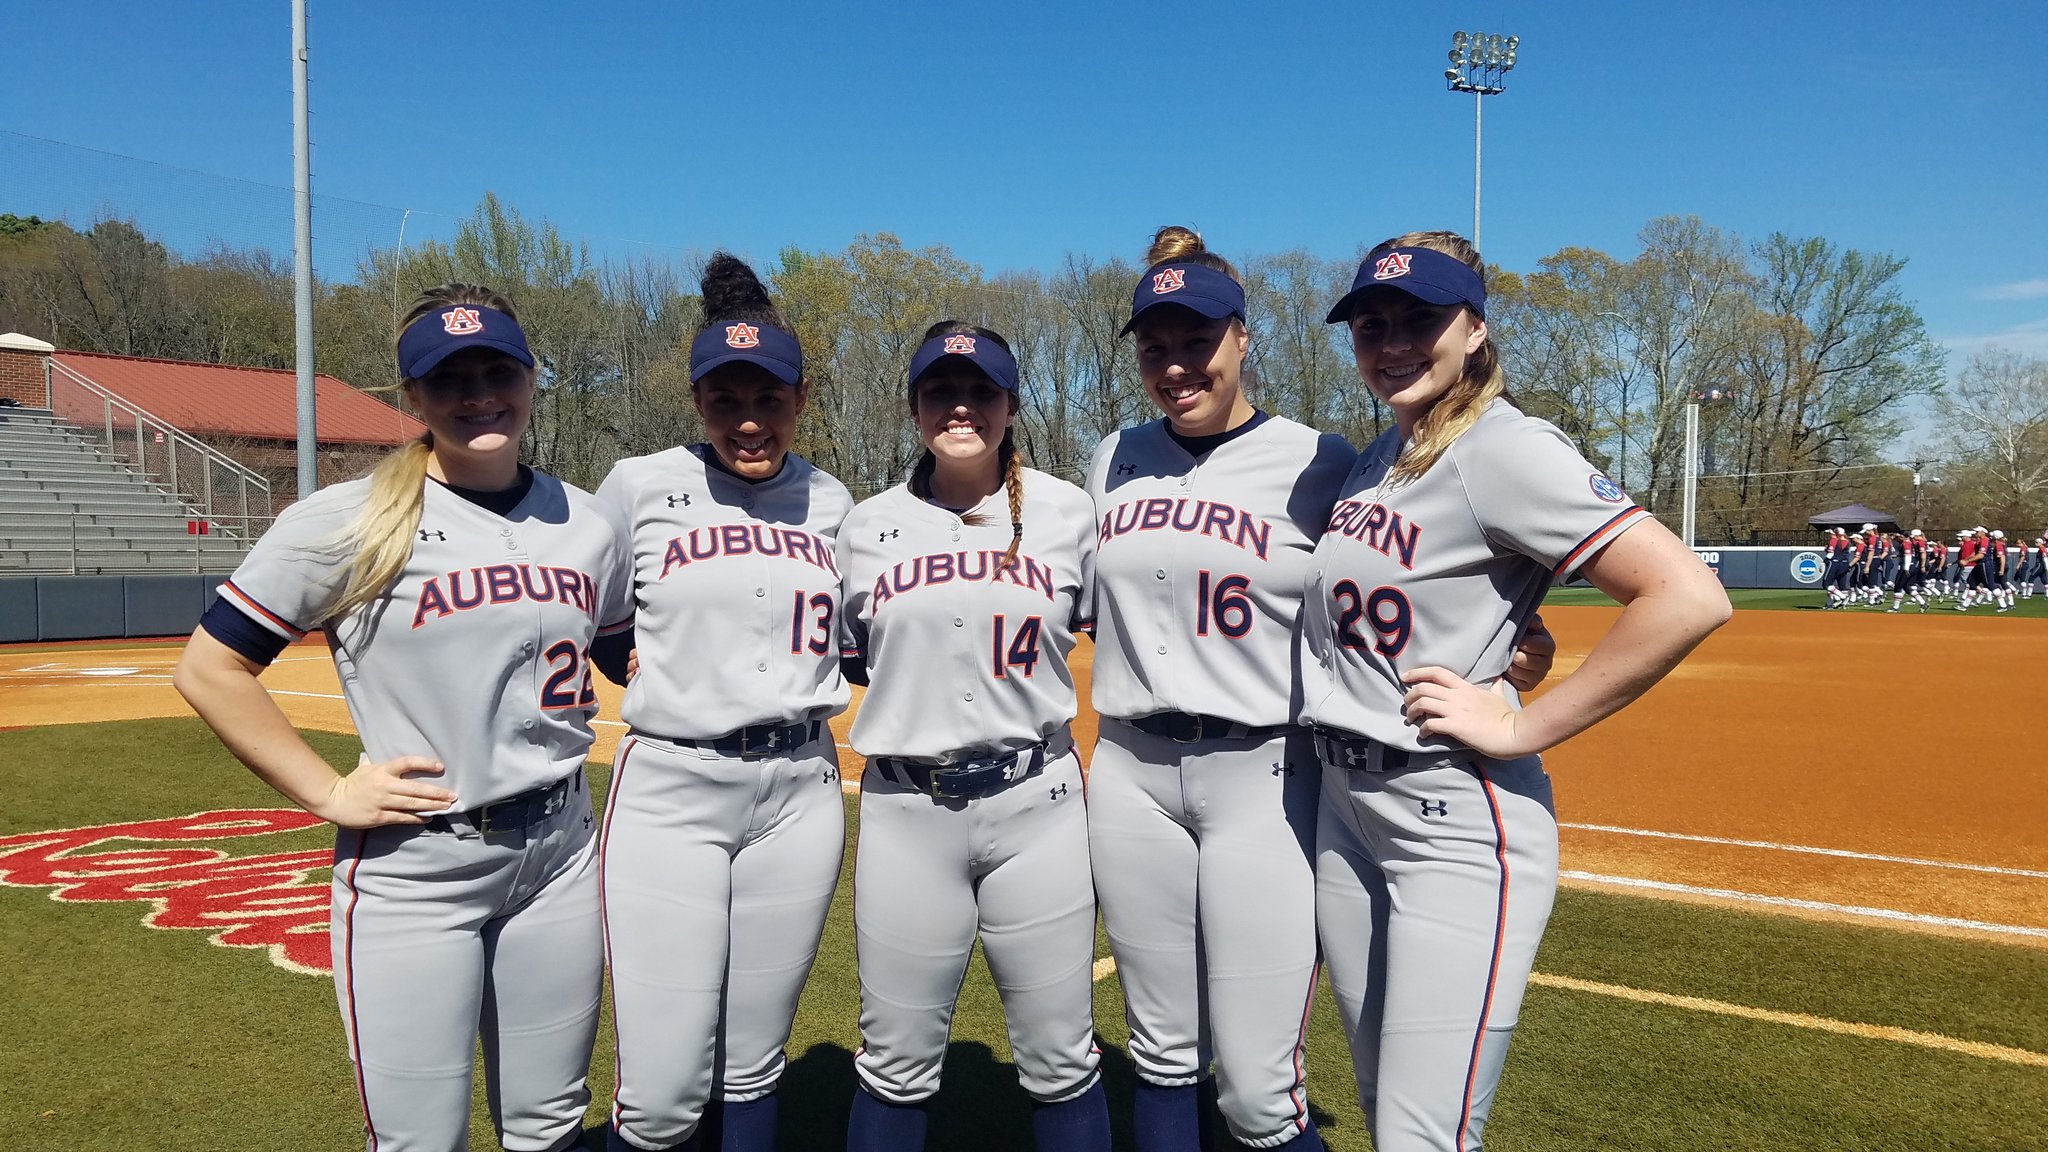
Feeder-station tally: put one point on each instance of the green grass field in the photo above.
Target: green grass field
(118, 1037)
(1804, 600)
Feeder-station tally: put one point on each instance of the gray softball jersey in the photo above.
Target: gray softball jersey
(478, 654)
(1201, 564)
(1445, 570)
(963, 653)
(737, 591)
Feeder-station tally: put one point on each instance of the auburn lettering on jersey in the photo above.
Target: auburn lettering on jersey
(504, 584)
(749, 539)
(1377, 527)
(1198, 517)
(946, 567)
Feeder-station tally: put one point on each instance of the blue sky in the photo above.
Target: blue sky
(1017, 133)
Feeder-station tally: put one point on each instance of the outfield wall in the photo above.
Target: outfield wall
(102, 607)
(1765, 567)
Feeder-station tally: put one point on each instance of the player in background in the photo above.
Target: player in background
(1958, 572)
(965, 590)
(725, 826)
(1859, 552)
(1974, 548)
(460, 592)
(1839, 552)
(1876, 546)
(1912, 573)
(1437, 850)
(1998, 571)
(1934, 564)
(2035, 572)
(1201, 803)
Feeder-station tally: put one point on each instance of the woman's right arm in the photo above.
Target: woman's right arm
(221, 685)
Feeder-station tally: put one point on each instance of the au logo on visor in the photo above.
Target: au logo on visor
(461, 322)
(1390, 266)
(959, 345)
(1168, 280)
(742, 336)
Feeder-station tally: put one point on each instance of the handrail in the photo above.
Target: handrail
(175, 438)
(117, 554)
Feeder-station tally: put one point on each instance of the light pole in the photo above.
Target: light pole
(1690, 517)
(1479, 64)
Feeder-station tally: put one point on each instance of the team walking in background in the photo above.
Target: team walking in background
(1307, 670)
(1867, 567)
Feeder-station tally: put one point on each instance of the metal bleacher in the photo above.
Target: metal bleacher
(67, 509)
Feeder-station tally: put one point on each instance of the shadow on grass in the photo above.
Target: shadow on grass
(981, 1108)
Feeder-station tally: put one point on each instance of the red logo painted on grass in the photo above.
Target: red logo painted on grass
(244, 901)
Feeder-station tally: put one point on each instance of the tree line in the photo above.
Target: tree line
(1808, 354)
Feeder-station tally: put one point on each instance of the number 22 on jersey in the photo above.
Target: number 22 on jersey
(565, 662)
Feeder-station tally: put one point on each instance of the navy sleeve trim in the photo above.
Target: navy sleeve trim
(610, 653)
(227, 623)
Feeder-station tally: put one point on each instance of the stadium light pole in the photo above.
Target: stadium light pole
(1690, 517)
(302, 253)
(1480, 64)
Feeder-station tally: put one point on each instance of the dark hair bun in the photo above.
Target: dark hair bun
(731, 291)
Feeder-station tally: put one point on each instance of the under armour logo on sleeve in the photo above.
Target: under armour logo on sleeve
(681, 499)
(433, 534)
(1126, 469)
(891, 534)
(1436, 807)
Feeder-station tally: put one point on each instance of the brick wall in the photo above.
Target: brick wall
(24, 377)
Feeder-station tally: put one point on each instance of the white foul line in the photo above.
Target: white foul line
(1106, 967)
(1810, 850)
(1809, 905)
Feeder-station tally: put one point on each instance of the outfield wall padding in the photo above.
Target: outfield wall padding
(36, 608)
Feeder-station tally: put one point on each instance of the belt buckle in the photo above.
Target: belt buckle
(485, 823)
(1194, 730)
(749, 749)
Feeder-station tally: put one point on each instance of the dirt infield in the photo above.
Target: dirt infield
(1869, 767)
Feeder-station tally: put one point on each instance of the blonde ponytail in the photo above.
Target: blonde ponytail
(381, 536)
(1460, 406)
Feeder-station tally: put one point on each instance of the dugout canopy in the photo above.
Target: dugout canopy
(1854, 517)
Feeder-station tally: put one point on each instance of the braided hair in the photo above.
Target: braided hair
(1010, 460)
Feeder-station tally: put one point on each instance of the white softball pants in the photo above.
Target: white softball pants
(930, 873)
(439, 935)
(717, 875)
(1433, 888)
(1202, 863)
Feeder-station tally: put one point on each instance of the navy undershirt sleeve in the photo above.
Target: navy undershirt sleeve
(235, 628)
(855, 669)
(611, 653)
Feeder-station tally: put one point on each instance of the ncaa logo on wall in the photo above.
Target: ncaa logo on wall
(1806, 567)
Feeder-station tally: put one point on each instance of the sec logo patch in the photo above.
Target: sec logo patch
(1606, 489)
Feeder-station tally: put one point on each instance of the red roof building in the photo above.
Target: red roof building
(222, 400)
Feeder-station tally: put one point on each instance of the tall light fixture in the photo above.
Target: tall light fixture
(1480, 64)
(1689, 516)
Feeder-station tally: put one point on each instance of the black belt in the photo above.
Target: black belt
(963, 779)
(1341, 749)
(756, 741)
(514, 813)
(1193, 728)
